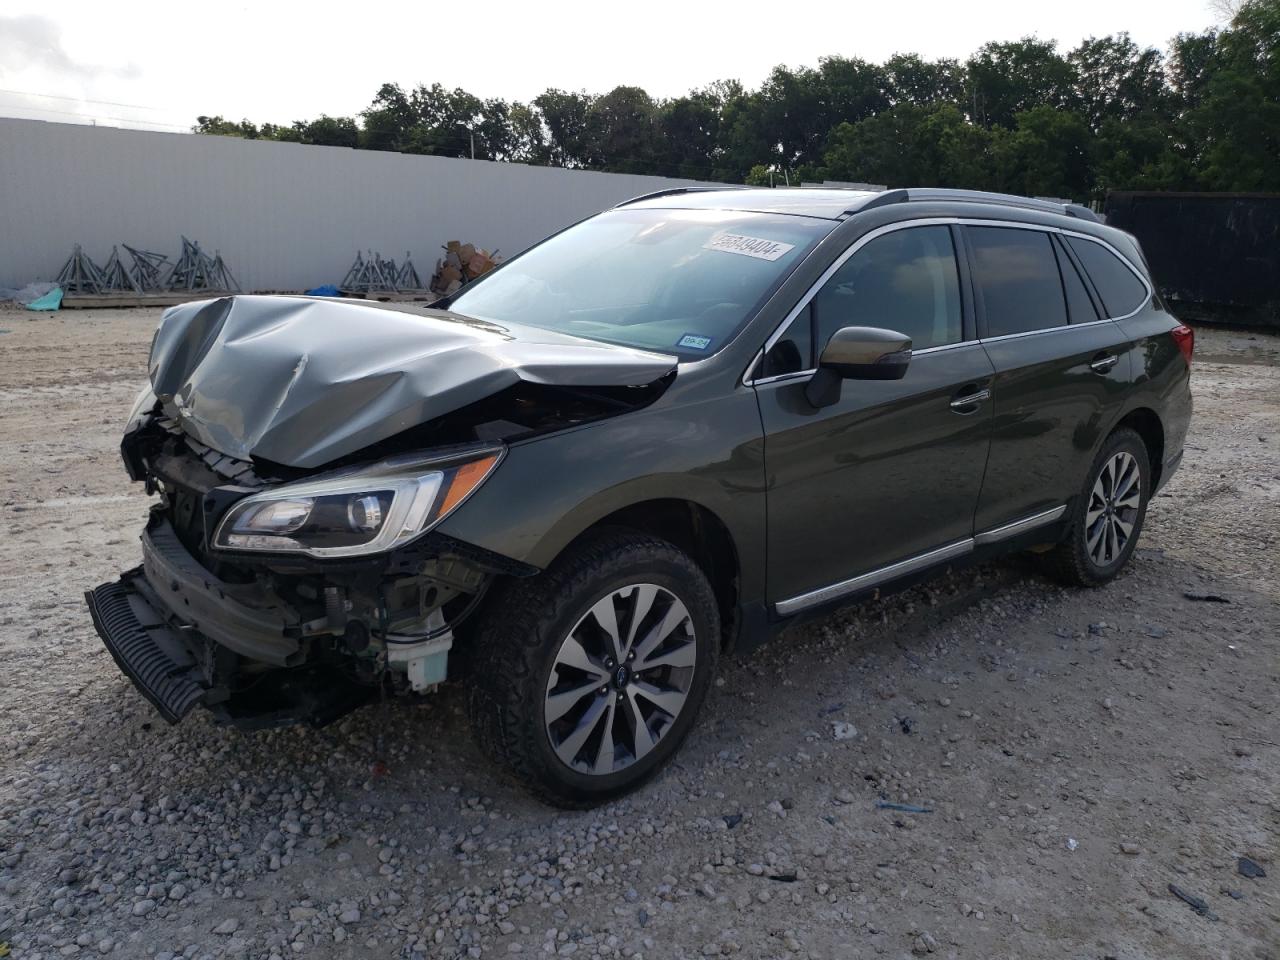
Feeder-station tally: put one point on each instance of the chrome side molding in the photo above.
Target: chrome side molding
(951, 551)
(870, 579)
(1019, 526)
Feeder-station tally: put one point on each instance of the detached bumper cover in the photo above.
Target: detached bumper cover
(145, 648)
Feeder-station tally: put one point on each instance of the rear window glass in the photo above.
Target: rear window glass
(1017, 273)
(1121, 291)
(1079, 304)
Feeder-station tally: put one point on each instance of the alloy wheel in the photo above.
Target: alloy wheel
(1113, 509)
(620, 679)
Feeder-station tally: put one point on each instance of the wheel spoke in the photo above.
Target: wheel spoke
(1128, 478)
(675, 616)
(605, 752)
(1130, 500)
(573, 654)
(558, 704)
(1093, 542)
(642, 598)
(642, 739)
(684, 655)
(669, 701)
(568, 748)
(607, 617)
(1125, 528)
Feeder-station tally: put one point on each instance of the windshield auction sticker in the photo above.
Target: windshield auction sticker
(748, 246)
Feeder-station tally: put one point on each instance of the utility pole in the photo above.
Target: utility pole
(473, 144)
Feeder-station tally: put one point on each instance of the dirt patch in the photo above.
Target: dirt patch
(1077, 751)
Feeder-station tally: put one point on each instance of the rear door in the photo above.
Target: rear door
(893, 468)
(1061, 372)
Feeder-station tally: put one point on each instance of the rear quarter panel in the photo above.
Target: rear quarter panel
(1161, 377)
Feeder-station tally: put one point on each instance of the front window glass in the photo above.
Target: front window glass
(680, 282)
(905, 281)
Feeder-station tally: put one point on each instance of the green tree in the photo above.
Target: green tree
(1007, 78)
(621, 129)
(1045, 155)
(688, 132)
(910, 79)
(912, 145)
(1240, 112)
(565, 115)
(219, 127)
(1115, 79)
(327, 131)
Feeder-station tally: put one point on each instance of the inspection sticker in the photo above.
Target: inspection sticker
(694, 341)
(748, 246)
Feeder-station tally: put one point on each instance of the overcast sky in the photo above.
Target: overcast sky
(156, 65)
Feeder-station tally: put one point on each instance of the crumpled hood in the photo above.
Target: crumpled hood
(301, 382)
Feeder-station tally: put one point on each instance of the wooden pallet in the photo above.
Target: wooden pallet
(388, 296)
(85, 301)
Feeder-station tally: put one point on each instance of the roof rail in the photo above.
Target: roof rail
(671, 191)
(979, 196)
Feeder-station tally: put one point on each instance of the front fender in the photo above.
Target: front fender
(551, 489)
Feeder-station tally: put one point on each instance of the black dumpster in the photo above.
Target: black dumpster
(1215, 256)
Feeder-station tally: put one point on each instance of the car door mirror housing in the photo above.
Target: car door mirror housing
(858, 353)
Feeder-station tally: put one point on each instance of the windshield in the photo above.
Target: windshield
(679, 282)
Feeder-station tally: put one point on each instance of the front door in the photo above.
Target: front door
(893, 469)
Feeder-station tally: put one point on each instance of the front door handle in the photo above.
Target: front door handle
(968, 402)
(1103, 362)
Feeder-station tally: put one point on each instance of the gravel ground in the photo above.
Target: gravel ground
(1077, 752)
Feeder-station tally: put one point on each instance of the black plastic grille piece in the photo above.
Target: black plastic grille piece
(166, 684)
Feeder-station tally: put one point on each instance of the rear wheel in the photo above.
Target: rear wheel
(590, 675)
(1108, 515)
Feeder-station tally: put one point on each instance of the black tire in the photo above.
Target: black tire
(519, 634)
(1071, 561)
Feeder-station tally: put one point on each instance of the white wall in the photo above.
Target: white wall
(284, 215)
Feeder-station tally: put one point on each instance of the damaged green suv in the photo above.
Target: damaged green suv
(665, 433)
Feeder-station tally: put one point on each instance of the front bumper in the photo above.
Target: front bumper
(181, 635)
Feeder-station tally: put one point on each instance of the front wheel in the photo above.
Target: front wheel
(589, 675)
(1108, 515)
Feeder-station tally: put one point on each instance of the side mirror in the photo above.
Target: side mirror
(858, 353)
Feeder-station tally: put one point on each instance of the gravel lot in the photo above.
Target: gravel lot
(1078, 751)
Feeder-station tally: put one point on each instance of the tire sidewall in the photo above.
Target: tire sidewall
(1126, 441)
(686, 582)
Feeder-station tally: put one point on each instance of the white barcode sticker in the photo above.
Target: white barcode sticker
(748, 246)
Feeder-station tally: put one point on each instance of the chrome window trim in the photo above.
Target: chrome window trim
(1036, 333)
(764, 381)
(1063, 231)
(937, 221)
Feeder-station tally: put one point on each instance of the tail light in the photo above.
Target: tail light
(1185, 338)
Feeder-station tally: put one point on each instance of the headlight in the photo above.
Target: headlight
(373, 510)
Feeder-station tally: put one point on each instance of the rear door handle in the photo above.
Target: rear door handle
(1103, 362)
(963, 402)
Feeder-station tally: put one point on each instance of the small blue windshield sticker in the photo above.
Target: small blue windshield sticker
(694, 341)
